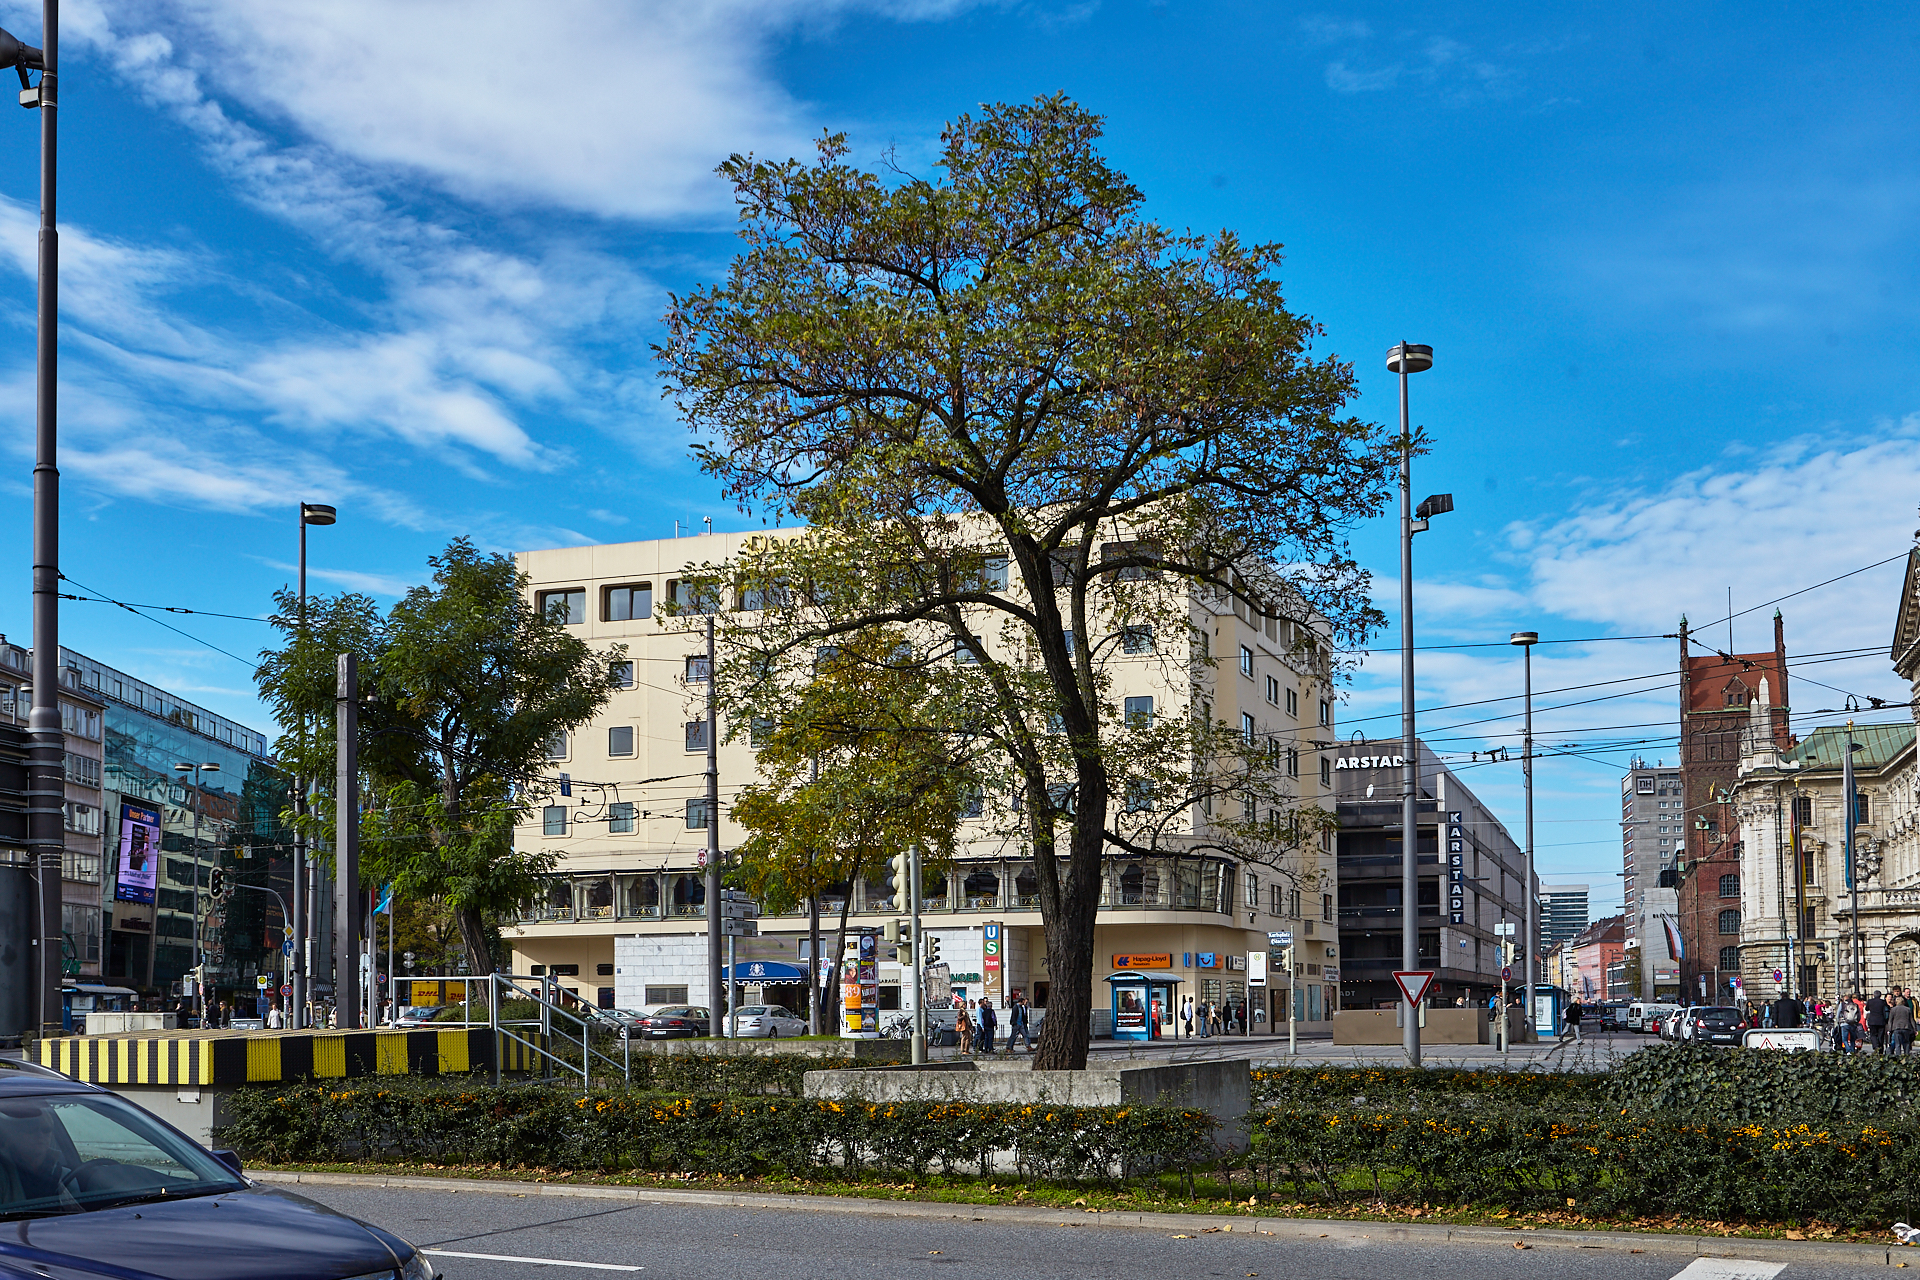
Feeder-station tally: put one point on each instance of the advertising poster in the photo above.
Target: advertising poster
(851, 1025)
(870, 984)
(139, 862)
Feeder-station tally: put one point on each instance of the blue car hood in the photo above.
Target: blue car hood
(242, 1235)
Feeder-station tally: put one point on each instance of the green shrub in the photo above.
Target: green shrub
(1736, 1086)
(440, 1122)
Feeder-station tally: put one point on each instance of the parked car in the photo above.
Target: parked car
(418, 1015)
(675, 1020)
(1646, 1015)
(1715, 1024)
(1613, 1015)
(769, 1020)
(96, 1186)
(625, 1022)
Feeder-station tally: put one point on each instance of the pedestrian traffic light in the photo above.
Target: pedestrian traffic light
(217, 882)
(891, 932)
(902, 865)
(931, 945)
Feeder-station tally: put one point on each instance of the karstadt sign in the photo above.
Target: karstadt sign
(1370, 762)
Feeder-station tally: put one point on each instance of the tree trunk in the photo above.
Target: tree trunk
(1067, 1029)
(833, 977)
(813, 963)
(473, 935)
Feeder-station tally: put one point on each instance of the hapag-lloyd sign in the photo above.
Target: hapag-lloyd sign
(1370, 762)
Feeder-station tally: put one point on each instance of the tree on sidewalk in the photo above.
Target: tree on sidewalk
(464, 684)
(1021, 422)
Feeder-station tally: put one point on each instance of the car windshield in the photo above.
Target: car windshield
(71, 1153)
(755, 1011)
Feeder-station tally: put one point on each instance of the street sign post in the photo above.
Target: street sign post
(1283, 938)
(1413, 984)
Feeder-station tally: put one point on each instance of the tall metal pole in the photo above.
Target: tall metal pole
(716, 1011)
(199, 954)
(1410, 771)
(1856, 964)
(346, 841)
(916, 959)
(297, 1002)
(1526, 881)
(46, 784)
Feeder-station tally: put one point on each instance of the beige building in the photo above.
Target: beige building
(631, 834)
(1793, 877)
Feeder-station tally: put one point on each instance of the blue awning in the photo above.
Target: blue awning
(765, 971)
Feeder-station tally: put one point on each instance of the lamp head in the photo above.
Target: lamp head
(183, 768)
(1524, 638)
(317, 513)
(15, 54)
(1417, 356)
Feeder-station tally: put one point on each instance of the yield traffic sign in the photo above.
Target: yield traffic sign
(1413, 983)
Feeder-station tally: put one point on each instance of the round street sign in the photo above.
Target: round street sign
(1505, 974)
(1777, 975)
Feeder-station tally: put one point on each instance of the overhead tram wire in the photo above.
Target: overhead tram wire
(135, 611)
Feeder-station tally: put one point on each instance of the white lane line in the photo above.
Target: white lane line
(562, 1262)
(1730, 1269)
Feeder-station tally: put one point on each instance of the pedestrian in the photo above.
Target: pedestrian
(1186, 1014)
(274, 1019)
(1213, 1018)
(1787, 1011)
(1900, 1025)
(1847, 1026)
(988, 1021)
(964, 1023)
(1017, 1023)
(1877, 1022)
(1573, 1016)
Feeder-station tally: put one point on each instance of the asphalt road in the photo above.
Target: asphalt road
(491, 1236)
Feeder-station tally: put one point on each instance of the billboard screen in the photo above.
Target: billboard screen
(139, 862)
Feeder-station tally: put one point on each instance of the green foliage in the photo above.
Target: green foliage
(1341, 1088)
(463, 684)
(445, 1122)
(1705, 1083)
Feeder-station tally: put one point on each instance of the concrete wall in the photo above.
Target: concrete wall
(1444, 1026)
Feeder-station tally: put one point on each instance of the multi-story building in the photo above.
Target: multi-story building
(1480, 880)
(80, 719)
(142, 833)
(1653, 837)
(631, 836)
(1722, 696)
(1564, 913)
(1598, 961)
(1795, 882)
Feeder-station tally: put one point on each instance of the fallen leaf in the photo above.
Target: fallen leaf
(1796, 1235)
(1082, 1200)
(1636, 1251)
(1519, 1245)
(931, 1252)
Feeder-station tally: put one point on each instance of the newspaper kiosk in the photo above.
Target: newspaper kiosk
(1142, 1003)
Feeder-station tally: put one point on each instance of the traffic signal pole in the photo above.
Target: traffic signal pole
(914, 959)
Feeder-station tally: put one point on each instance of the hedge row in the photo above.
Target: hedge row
(430, 1123)
(1527, 1158)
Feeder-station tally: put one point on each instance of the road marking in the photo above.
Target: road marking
(562, 1262)
(1730, 1269)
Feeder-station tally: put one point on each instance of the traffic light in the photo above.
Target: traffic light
(931, 945)
(217, 882)
(902, 865)
(891, 932)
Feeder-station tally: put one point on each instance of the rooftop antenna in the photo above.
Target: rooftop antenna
(709, 520)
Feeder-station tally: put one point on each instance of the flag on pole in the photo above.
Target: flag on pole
(386, 900)
(1675, 946)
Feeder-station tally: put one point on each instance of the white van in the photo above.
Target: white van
(1646, 1016)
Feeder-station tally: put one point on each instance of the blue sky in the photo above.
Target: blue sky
(408, 259)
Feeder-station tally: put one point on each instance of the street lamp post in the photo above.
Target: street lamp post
(199, 974)
(304, 889)
(1407, 359)
(46, 784)
(1526, 640)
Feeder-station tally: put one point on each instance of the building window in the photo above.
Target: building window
(1862, 810)
(84, 770)
(1246, 661)
(1139, 712)
(627, 603)
(964, 655)
(1293, 702)
(553, 820)
(666, 995)
(1803, 811)
(1326, 772)
(1326, 906)
(568, 606)
(1729, 921)
(1326, 712)
(1273, 691)
(698, 669)
(1246, 728)
(557, 746)
(1278, 903)
(1729, 959)
(621, 674)
(1806, 867)
(1253, 891)
(1293, 762)
(620, 817)
(1729, 886)
(620, 740)
(1136, 639)
(696, 735)
(696, 815)
(759, 730)
(693, 597)
(83, 818)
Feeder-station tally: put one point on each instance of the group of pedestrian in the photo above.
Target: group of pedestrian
(1207, 1015)
(979, 1021)
(1881, 1022)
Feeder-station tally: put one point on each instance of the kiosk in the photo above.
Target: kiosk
(1142, 1003)
(1549, 1009)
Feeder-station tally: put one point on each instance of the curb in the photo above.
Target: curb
(1285, 1228)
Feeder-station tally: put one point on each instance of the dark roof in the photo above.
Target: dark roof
(1821, 750)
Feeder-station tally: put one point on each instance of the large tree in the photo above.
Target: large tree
(1022, 421)
(464, 684)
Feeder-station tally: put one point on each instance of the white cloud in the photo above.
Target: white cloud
(1343, 79)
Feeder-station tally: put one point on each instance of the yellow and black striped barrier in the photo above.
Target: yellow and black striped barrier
(206, 1058)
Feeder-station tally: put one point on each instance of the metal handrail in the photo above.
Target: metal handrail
(548, 1008)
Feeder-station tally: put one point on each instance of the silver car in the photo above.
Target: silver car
(769, 1020)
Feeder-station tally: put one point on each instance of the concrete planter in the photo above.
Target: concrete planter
(874, 1051)
(1218, 1088)
(1444, 1026)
